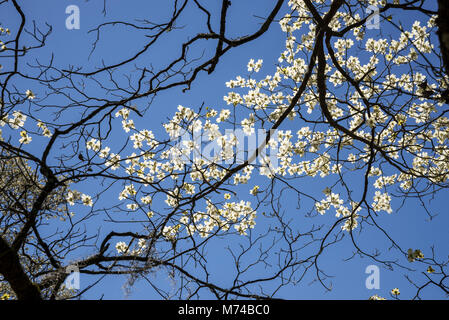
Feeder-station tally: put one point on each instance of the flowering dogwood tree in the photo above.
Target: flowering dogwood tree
(363, 117)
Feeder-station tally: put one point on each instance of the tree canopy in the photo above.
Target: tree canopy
(321, 147)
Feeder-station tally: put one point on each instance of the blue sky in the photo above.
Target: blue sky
(409, 226)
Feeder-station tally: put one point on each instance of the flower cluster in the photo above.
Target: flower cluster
(413, 255)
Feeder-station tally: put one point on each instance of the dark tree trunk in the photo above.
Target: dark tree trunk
(443, 31)
(12, 271)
